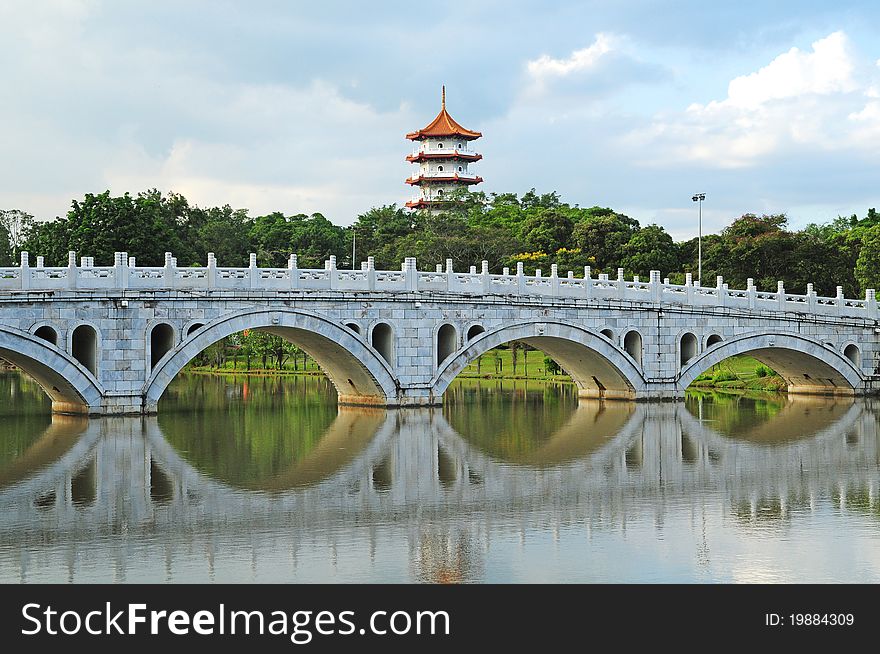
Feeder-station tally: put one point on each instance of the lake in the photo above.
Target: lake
(265, 479)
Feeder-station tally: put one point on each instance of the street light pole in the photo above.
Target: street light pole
(698, 198)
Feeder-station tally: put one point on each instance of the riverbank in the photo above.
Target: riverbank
(741, 372)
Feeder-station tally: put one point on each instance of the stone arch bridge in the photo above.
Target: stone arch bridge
(109, 340)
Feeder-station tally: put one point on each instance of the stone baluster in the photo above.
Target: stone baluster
(588, 282)
(439, 268)
(621, 284)
(41, 262)
(212, 270)
(25, 277)
(554, 279)
(871, 303)
(473, 270)
(484, 274)
(689, 287)
(505, 271)
(293, 271)
(720, 293)
(450, 278)
(520, 278)
(330, 264)
(752, 292)
(811, 298)
(169, 270)
(132, 261)
(72, 272)
(371, 273)
(840, 300)
(656, 288)
(120, 270)
(780, 294)
(253, 271)
(411, 274)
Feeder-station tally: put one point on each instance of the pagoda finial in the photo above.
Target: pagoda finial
(443, 97)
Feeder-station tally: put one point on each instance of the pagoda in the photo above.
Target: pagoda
(443, 155)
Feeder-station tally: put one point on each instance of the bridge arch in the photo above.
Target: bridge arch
(807, 366)
(597, 367)
(66, 381)
(359, 373)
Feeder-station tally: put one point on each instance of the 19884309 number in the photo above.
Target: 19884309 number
(809, 619)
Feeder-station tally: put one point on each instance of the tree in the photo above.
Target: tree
(603, 235)
(14, 226)
(868, 263)
(547, 230)
(650, 248)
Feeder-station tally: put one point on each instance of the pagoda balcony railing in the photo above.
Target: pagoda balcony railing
(125, 279)
(431, 174)
(447, 152)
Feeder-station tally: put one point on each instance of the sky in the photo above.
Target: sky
(302, 107)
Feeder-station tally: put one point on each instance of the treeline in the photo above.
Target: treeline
(503, 229)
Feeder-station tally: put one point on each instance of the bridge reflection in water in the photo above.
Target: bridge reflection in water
(496, 488)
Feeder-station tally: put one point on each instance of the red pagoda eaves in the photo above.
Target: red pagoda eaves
(443, 125)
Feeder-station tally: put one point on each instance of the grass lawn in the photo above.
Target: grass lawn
(736, 372)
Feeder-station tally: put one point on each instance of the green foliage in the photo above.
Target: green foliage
(537, 229)
(650, 248)
(764, 371)
(868, 262)
(551, 366)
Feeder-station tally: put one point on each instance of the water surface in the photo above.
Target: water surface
(265, 479)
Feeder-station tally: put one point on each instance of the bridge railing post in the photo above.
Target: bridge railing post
(293, 271)
(450, 282)
(330, 265)
(520, 279)
(484, 275)
(554, 279)
(25, 276)
(371, 273)
(720, 291)
(811, 298)
(689, 287)
(169, 270)
(588, 282)
(212, 270)
(120, 270)
(621, 284)
(839, 299)
(72, 272)
(780, 294)
(253, 271)
(656, 288)
(871, 303)
(410, 273)
(752, 292)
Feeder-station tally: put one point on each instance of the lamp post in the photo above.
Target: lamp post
(698, 198)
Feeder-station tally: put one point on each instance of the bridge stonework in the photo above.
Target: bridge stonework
(109, 340)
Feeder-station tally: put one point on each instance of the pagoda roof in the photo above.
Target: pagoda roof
(443, 125)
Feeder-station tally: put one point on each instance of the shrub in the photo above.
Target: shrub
(764, 371)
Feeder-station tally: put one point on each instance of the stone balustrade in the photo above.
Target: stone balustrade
(125, 275)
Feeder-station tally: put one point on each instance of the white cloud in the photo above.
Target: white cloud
(827, 69)
(546, 66)
(800, 102)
